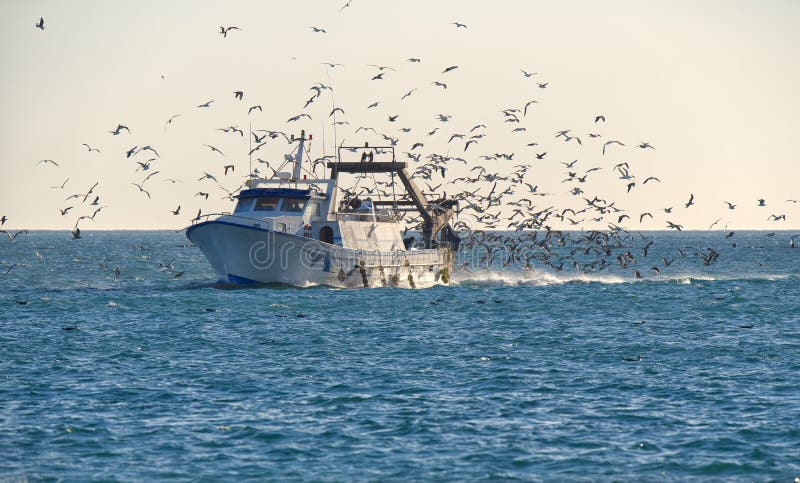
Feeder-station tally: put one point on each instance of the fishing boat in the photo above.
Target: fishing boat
(295, 229)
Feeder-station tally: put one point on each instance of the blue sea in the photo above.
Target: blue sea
(509, 373)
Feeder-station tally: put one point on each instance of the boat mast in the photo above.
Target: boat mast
(298, 158)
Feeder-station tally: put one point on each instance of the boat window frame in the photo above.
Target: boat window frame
(285, 201)
(276, 206)
(244, 205)
(315, 208)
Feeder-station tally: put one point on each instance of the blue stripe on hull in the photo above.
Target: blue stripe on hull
(241, 280)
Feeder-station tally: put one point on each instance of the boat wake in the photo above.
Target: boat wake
(534, 277)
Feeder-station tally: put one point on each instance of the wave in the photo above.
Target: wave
(534, 277)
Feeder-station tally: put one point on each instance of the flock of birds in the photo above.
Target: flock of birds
(499, 206)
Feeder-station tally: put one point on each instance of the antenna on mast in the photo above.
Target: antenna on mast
(250, 148)
(298, 158)
(333, 107)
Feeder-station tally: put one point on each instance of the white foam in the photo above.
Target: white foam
(535, 277)
(527, 277)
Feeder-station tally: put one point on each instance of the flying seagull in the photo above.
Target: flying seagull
(224, 30)
(142, 189)
(608, 143)
(214, 149)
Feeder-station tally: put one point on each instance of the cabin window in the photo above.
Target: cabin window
(293, 205)
(245, 204)
(316, 209)
(267, 203)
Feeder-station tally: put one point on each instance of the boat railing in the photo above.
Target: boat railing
(244, 220)
(372, 214)
(349, 258)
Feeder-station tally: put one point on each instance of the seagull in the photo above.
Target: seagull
(674, 226)
(407, 94)
(40, 23)
(525, 111)
(543, 85)
(224, 30)
(238, 95)
(118, 130)
(207, 104)
(4, 219)
(440, 84)
(599, 118)
(608, 143)
(177, 211)
(205, 195)
(318, 30)
(142, 189)
(691, 201)
(214, 149)
(151, 149)
(207, 176)
(14, 236)
(229, 167)
(731, 206)
(65, 210)
(91, 148)
(528, 74)
(452, 67)
(253, 108)
(644, 145)
(458, 25)
(91, 190)
(169, 121)
(762, 202)
(149, 176)
(297, 117)
(651, 178)
(45, 161)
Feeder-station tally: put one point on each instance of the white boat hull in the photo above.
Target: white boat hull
(244, 255)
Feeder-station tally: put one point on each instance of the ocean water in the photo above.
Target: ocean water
(508, 373)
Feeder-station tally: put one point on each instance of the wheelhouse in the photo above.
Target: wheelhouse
(274, 202)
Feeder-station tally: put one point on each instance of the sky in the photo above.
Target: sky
(711, 85)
